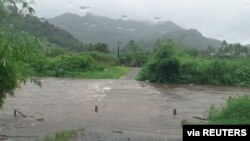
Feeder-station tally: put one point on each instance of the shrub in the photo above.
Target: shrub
(241, 76)
(75, 63)
(214, 72)
(168, 69)
(162, 66)
(103, 58)
(39, 64)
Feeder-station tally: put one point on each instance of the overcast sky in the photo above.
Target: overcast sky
(220, 19)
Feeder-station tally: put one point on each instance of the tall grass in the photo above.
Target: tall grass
(236, 111)
(108, 73)
(216, 72)
(104, 58)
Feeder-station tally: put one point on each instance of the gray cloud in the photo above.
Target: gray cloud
(221, 19)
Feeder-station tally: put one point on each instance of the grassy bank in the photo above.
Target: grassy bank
(90, 65)
(236, 111)
(114, 72)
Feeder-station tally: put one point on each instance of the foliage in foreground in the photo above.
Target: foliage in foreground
(15, 50)
(236, 111)
(62, 136)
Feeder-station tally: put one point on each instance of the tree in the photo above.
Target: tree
(224, 43)
(163, 65)
(14, 47)
(132, 54)
(100, 47)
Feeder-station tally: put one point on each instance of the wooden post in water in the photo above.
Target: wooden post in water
(174, 112)
(96, 108)
(14, 113)
(118, 49)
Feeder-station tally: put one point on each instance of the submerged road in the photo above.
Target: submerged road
(127, 109)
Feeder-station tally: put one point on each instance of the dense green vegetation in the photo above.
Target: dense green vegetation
(162, 66)
(79, 65)
(236, 111)
(16, 49)
(104, 58)
(171, 64)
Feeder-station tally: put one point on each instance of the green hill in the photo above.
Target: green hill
(91, 28)
(42, 29)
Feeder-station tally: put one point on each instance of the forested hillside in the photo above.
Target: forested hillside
(91, 28)
(41, 29)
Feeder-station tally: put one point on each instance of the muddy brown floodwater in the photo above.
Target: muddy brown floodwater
(127, 109)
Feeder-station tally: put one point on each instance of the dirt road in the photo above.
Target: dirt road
(127, 109)
(131, 74)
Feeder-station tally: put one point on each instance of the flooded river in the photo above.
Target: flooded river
(127, 109)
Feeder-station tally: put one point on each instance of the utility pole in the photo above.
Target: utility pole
(118, 49)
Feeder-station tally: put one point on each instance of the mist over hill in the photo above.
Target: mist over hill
(91, 28)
